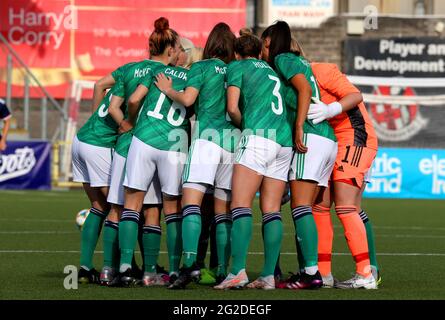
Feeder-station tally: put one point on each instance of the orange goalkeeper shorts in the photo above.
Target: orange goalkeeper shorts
(352, 164)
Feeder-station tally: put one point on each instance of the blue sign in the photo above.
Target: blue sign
(408, 174)
(26, 165)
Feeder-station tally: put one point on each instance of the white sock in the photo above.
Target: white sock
(311, 270)
(124, 267)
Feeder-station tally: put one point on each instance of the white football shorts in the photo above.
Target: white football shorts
(91, 164)
(317, 164)
(264, 156)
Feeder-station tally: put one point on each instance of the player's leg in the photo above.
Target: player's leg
(322, 216)
(207, 237)
(354, 163)
(91, 167)
(355, 234)
(199, 174)
(173, 220)
(91, 231)
(111, 227)
(207, 210)
(245, 183)
(302, 193)
(308, 173)
(271, 192)
(111, 246)
(152, 243)
(223, 216)
(223, 228)
(140, 169)
(255, 159)
(370, 237)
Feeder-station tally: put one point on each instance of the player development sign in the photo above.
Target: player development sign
(421, 60)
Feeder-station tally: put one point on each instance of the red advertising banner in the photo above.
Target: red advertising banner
(65, 40)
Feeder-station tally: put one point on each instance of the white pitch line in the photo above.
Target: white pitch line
(38, 220)
(38, 232)
(416, 236)
(414, 254)
(19, 232)
(387, 227)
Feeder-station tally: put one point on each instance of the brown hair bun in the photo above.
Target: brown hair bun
(161, 24)
(245, 32)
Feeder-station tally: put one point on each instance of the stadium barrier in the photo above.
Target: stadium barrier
(408, 174)
(26, 165)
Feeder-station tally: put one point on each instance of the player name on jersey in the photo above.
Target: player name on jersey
(176, 73)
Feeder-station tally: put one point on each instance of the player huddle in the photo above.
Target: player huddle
(261, 114)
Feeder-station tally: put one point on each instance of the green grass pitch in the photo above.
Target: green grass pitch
(38, 238)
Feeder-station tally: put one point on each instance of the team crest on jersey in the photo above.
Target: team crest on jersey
(394, 122)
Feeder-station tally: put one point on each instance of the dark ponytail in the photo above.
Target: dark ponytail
(280, 40)
(220, 43)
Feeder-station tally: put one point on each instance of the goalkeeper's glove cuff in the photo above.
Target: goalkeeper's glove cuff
(334, 109)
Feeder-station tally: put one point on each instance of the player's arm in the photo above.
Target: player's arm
(233, 95)
(300, 83)
(100, 88)
(134, 103)
(4, 135)
(187, 98)
(116, 113)
(337, 84)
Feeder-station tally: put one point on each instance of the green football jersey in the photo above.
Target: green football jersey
(162, 123)
(261, 100)
(132, 74)
(208, 77)
(288, 65)
(100, 129)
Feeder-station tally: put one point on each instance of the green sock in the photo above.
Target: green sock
(306, 231)
(273, 234)
(240, 238)
(140, 243)
(111, 244)
(191, 229)
(223, 228)
(174, 240)
(128, 236)
(90, 234)
(301, 262)
(152, 245)
(370, 237)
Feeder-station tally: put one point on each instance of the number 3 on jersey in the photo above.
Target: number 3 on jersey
(103, 109)
(276, 92)
(156, 113)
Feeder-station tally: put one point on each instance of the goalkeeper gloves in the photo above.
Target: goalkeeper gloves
(318, 111)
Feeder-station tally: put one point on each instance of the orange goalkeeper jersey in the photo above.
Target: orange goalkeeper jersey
(353, 127)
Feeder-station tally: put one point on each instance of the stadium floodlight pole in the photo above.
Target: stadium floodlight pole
(26, 104)
(33, 77)
(44, 111)
(8, 80)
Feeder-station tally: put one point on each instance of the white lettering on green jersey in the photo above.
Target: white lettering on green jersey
(131, 76)
(261, 100)
(289, 65)
(208, 77)
(100, 129)
(162, 123)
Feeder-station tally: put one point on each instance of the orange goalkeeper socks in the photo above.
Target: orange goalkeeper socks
(355, 234)
(322, 217)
